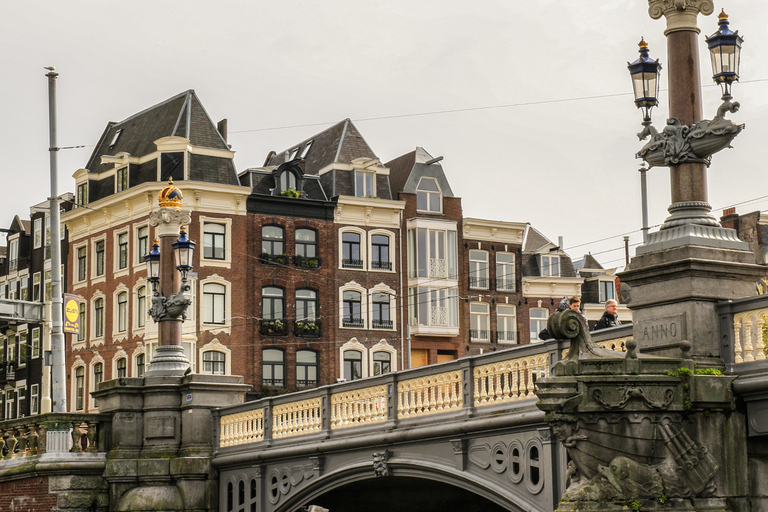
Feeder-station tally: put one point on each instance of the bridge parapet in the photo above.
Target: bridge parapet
(53, 432)
(468, 386)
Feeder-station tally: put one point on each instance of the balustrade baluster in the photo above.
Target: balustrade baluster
(748, 346)
(10, 443)
(737, 341)
(759, 343)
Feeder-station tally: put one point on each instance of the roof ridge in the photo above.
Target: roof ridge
(137, 114)
(341, 139)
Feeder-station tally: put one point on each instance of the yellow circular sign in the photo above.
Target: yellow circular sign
(72, 310)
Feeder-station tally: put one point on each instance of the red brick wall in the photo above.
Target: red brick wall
(27, 495)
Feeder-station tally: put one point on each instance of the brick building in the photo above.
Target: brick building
(110, 234)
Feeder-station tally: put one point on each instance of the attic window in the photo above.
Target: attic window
(294, 152)
(287, 180)
(428, 196)
(115, 137)
(306, 148)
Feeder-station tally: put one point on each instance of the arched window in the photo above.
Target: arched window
(98, 318)
(272, 240)
(381, 317)
(428, 196)
(122, 365)
(353, 316)
(382, 362)
(80, 388)
(214, 362)
(214, 240)
(380, 253)
(140, 366)
(273, 303)
(306, 305)
(98, 375)
(287, 180)
(81, 321)
(353, 365)
(122, 312)
(306, 248)
(273, 368)
(141, 307)
(306, 368)
(214, 301)
(350, 250)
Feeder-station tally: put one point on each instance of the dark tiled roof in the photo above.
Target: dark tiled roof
(341, 142)
(212, 169)
(534, 240)
(588, 261)
(182, 115)
(399, 170)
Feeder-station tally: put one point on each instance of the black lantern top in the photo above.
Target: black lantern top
(185, 250)
(645, 79)
(152, 259)
(725, 50)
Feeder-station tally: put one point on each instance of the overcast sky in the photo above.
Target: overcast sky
(529, 102)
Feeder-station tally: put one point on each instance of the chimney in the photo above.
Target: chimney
(223, 129)
(730, 218)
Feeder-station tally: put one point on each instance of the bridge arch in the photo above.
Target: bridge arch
(402, 470)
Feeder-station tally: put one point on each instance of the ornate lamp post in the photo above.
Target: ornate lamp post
(687, 142)
(168, 276)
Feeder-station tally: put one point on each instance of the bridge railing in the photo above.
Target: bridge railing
(53, 432)
(744, 333)
(468, 386)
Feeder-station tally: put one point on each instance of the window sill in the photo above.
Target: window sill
(434, 330)
(81, 284)
(99, 279)
(215, 263)
(216, 328)
(97, 342)
(122, 272)
(118, 337)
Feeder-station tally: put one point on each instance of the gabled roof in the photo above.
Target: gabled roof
(340, 143)
(405, 172)
(587, 262)
(182, 116)
(535, 241)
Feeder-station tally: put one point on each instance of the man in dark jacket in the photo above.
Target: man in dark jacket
(610, 318)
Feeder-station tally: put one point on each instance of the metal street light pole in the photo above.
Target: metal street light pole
(58, 373)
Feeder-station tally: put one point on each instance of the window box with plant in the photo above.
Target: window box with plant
(308, 328)
(292, 192)
(274, 327)
(274, 259)
(307, 261)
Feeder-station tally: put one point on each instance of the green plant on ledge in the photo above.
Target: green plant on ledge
(292, 192)
(307, 326)
(274, 325)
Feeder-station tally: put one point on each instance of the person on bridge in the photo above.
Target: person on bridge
(611, 316)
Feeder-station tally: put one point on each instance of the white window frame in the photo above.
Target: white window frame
(121, 354)
(138, 311)
(79, 283)
(477, 318)
(35, 343)
(95, 337)
(383, 288)
(609, 283)
(478, 269)
(38, 233)
(79, 363)
(213, 328)
(37, 276)
(95, 277)
(509, 273)
(91, 381)
(216, 346)
(117, 334)
(34, 399)
(363, 248)
(365, 175)
(118, 270)
(429, 195)
(353, 344)
(227, 223)
(382, 346)
(139, 351)
(353, 286)
(507, 323)
(545, 265)
(535, 335)
(138, 258)
(369, 260)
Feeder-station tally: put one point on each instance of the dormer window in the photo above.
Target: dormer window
(115, 137)
(294, 152)
(428, 196)
(121, 179)
(549, 265)
(365, 184)
(306, 148)
(287, 180)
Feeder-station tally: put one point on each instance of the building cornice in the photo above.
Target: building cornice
(493, 230)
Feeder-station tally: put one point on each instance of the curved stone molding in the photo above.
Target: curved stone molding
(166, 221)
(681, 14)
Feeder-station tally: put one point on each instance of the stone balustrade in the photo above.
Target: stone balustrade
(474, 385)
(744, 331)
(359, 407)
(53, 432)
(509, 380)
